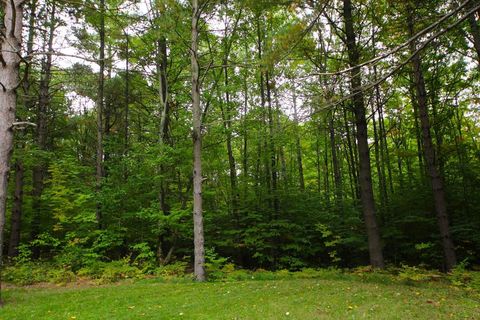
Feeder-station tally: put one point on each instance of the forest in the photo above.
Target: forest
(254, 134)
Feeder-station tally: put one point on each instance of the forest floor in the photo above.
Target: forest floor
(253, 299)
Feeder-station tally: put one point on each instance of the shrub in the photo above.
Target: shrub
(118, 270)
(461, 277)
(27, 273)
(173, 270)
(416, 274)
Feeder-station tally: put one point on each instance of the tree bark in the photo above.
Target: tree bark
(199, 265)
(365, 175)
(429, 154)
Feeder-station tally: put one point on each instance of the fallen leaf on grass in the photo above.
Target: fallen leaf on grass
(435, 303)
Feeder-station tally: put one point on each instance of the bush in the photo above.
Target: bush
(461, 277)
(214, 265)
(174, 270)
(27, 273)
(416, 274)
(119, 270)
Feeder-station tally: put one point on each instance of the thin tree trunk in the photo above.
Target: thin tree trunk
(298, 143)
(365, 178)
(263, 81)
(17, 209)
(326, 161)
(318, 163)
(100, 171)
(199, 265)
(337, 175)
(418, 134)
(353, 163)
(127, 97)
(41, 134)
(429, 153)
(245, 125)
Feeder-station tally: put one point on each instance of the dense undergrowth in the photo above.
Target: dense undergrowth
(30, 273)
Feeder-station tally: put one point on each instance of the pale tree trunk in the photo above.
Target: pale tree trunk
(161, 62)
(365, 174)
(199, 264)
(10, 45)
(100, 172)
(429, 153)
(17, 209)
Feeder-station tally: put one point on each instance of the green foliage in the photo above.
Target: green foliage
(461, 277)
(215, 265)
(416, 274)
(331, 242)
(172, 271)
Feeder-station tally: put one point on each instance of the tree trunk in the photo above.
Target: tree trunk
(245, 126)
(17, 210)
(100, 172)
(365, 175)
(39, 170)
(10, 45)
(273, 158)
(337, 175)
(298, 143)
(127, 99)
(429, 153)
(199, 265)
(352, 163)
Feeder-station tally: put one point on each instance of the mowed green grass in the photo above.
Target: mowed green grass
(274, 299)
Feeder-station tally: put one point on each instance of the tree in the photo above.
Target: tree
(429, 152)
(199, 264)
(10, 45)
(365, 175)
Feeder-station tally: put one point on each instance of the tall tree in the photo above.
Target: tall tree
(10, 45)
(199, 264)
(365, 174)
(429, 151)
(17, 207)
(100, 171)
(42, 118)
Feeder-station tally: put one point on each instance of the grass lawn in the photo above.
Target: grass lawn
(273, 299)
